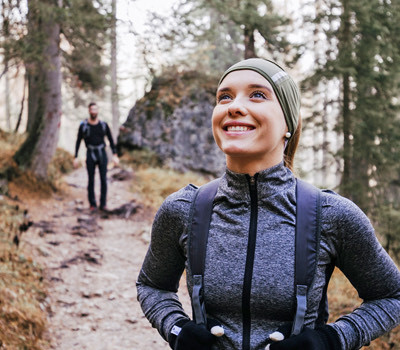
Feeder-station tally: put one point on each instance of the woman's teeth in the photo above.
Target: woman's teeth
(238, 128)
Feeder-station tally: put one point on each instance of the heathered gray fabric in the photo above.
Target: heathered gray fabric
(347, 238)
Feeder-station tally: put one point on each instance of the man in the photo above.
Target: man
(93, 131)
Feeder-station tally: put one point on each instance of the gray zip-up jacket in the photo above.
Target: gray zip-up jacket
(249, 271)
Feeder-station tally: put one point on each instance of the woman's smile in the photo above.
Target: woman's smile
(234, 128)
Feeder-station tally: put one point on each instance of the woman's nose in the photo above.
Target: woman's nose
(237, 109)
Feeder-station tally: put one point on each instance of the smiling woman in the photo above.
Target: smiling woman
(248, 122)
(249, 284)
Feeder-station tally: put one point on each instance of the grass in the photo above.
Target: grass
(23, 316)
(343, 299)
(153, 183)
(22, 290)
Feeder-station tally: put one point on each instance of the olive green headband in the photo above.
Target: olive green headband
(285, 88)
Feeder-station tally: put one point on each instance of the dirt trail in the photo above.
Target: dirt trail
(91, 262)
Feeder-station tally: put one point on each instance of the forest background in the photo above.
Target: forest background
(56, 55)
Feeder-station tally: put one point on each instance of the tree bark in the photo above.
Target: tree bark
(17, 125)
(7, 93)
(6, 33)
(346, 181)
(36, 152)
(249, 49)
(114, 84)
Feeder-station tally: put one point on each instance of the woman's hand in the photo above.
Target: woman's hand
(321, 338)
(193, 336)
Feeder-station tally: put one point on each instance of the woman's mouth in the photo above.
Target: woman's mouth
(238, 128)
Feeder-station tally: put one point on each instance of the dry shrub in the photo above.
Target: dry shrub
(22, 292)
(141, 158)
(152, 181)
(62, 163)
(155, 184)
(23, 183)
(343, 299)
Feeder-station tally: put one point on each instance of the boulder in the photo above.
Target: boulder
(174, 120)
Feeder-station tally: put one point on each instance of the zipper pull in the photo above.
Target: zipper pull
(252, 180)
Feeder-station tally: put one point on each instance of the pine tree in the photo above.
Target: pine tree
(364, 56)
(211, 35)
(35, 42)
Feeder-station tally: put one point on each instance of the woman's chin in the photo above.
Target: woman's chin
(236, 152)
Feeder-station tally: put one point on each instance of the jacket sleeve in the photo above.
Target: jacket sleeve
(110, 139)
(372, 272)
(78, 139)
(158, 280)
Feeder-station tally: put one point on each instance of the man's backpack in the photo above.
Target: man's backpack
(86, 129)
(308, 227)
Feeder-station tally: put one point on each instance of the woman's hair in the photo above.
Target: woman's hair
(291, 147)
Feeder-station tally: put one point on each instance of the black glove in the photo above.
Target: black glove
(192, 336)
(321, 338)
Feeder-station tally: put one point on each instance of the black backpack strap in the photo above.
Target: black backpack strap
(201, 216)
(308, 227)
(85, 129)
(104, 127)
(323, 309)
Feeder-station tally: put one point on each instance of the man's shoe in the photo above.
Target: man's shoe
(92, 208)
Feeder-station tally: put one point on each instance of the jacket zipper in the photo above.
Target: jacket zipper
(248, 275)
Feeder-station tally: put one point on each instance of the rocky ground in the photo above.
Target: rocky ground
(91, 260)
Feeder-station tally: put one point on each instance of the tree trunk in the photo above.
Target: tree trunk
(36, 152)
(34, 82)
(347, 144)
(249, 49)
(114, 84)
(17, 125)
(7, 97)
(6, 33)
(345, 49)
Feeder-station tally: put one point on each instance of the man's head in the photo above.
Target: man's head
(93, 110)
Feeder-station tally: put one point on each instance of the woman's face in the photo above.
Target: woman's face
(248, 122)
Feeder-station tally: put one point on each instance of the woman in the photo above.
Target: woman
(249, 268)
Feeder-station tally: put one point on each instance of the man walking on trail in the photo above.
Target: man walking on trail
(93, 131)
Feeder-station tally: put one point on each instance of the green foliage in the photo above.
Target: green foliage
(172, 85)
(254, 15)
(209, 36)
(387, 225)
(84, 28)
(363, 54)
(83, 25)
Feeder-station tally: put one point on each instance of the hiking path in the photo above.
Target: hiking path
(91, 261)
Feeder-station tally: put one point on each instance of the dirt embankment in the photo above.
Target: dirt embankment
(92, 260)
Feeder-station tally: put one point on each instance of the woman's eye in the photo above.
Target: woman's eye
(223, 97)
(258, 94)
